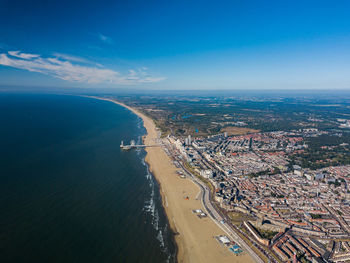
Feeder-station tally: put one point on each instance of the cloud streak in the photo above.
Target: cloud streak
(65, 69)
(105, 39)
(71, 58)
(18, 54)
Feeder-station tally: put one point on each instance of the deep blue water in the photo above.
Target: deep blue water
(67, 192)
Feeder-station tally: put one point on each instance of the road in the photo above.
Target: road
(221, 219)
(217, 217)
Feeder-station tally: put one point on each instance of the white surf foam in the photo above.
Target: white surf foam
(150, 207)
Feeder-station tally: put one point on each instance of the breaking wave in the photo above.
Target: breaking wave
(152, 208)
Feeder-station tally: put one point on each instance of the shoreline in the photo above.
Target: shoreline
(163, 196)
(194, 237)
(161, 191)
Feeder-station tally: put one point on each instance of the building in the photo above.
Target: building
(206, 173)
(255, 234)
(188, 141)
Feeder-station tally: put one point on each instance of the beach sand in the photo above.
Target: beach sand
(195, 236)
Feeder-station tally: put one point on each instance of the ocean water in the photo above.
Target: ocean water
(67, 191)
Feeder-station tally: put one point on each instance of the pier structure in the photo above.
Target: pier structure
(133, 145)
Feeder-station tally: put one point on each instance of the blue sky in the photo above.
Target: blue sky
(175, 44)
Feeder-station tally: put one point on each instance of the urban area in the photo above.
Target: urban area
(274, 207)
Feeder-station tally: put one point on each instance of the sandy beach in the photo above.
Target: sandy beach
(195, 236)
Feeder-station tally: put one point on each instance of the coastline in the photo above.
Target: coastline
(194, 236)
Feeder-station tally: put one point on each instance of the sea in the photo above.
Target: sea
(68, 193)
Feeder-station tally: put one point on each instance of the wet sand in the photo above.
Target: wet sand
(194, 236)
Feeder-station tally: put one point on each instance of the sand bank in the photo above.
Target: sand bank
(195, 237)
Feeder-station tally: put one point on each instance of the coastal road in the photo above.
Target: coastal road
(217, 218)
(221, 222)
(226, 225)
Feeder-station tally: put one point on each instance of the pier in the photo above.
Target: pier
(133, 145)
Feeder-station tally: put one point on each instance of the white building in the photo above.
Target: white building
(206, 173)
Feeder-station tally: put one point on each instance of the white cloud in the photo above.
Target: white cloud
(72, 58)
(18, 54)
(105, 39)
(66, 70)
